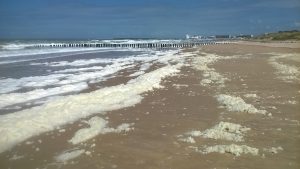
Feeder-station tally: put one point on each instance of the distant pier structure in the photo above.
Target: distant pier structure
(130, 45)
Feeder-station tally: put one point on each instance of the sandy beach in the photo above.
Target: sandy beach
(229, 106)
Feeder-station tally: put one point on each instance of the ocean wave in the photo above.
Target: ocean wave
(78, 73)
(30, 48)
(68, 109)
(38, 51)
(16, 46)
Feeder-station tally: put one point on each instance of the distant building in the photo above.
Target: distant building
(187, 36)
(195, 37)
(222, 36)
(244, 36)
(211, 37)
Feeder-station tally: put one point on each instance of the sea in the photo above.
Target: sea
(43, 88)
(30, 75)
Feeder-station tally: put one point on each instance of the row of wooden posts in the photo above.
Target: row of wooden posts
(132, 45)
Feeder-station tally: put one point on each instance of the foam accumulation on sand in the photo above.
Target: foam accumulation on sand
(226, 131)
(234, 103)
(97, 126)
(221, 131)
(145, 66)
(19, 126)
(234, 149)
(284, 71)
(210, 76)
(273, 150)
(69, 155)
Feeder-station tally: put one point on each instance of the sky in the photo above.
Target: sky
(105, 19)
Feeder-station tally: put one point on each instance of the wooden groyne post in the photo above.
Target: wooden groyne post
(129, 45)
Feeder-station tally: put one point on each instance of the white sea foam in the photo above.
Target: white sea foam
(188, 140)
(173, 56)
(93, 68)
(226, 131)
(16, 157)
(37, 51)
(97, 75)
(69, 155)
(97, 126)
(145, 66)
(233, 103)
(15, 98)
(250, 95)
(211, 77)
(234, 149)
(203, 60)
(178, 86)
(14, 51)
(85, 62)
(10, 84)
(19, 126)
(273, 150)
(138, 73)
(223, 131)
(15, 46)
(81, 62)
(195, 133)
(284, 71)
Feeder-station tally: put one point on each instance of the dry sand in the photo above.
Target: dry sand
(278, 44)
(165, 115)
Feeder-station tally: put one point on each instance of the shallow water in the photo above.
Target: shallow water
(56, 70)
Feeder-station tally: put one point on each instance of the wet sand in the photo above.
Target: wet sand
(181, 106)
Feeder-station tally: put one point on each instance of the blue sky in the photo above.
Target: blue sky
(144, 18)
